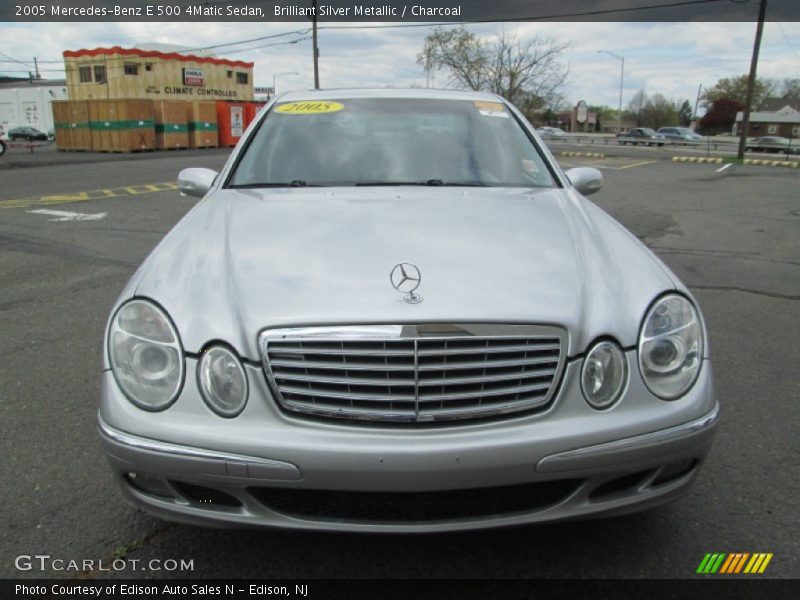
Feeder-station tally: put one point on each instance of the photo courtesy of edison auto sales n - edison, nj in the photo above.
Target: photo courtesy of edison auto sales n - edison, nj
(393, 311)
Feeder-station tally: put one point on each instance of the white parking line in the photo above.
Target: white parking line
(65, 215)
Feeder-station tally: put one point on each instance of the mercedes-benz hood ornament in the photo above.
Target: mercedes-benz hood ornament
(405, 278)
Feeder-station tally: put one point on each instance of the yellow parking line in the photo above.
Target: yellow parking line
(133, 190)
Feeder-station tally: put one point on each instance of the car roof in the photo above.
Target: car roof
(298, 95)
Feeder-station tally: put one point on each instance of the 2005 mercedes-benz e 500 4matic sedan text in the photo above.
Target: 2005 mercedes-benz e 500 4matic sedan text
(392, 311)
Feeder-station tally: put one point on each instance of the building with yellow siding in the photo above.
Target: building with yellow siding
(131, 73)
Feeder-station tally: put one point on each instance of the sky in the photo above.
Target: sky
(670, 58)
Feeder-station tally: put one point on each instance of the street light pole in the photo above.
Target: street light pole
(276, 75)
(621, 59)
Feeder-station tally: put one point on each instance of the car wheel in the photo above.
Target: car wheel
(2, 148)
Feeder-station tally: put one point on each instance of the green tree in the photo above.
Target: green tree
(658, 111)
(605, 115)
(735, 88)
(685, 113)
(526, 72)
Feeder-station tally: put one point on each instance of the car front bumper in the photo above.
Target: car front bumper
(265, 468)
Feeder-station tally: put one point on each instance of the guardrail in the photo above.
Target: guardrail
(708, 144)
(6, 144)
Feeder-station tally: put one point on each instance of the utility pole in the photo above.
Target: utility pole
(314, 44)
(751, 82)
(696, 104)
(36, 68)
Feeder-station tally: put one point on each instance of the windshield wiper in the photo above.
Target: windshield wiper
(395, 183)
(263, 184)
(428, 182)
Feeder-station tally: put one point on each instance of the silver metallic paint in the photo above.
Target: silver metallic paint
(242, 261)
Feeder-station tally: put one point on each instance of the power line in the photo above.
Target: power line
(587, 13)
(455, 23)
(785, 39)
(15, 60)
(183, 51)
(119, 67)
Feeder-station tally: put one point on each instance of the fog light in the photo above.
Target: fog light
(223, 382)
(604, 374)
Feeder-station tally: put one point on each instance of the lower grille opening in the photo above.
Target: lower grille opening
(203, 495)
(675, 470)
(150, 484)
(619, 485)
(393, 507)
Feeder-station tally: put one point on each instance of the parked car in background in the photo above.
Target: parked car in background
(682, 134)
(392, 310)
(773, 143)
(29, 134)
(2, 147)
(641, 135)
(549, 133)
(51, 135)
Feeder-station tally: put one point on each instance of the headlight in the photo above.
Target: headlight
(223, 382)
(604, 374)
(146, 355)
(671, 347)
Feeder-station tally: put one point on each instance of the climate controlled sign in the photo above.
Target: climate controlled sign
(193, 77)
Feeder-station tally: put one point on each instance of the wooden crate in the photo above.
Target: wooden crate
(122, 125)
(202, 122)
(71, 124)
(171, 123)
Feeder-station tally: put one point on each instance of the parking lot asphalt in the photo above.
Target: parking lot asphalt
(731, 236)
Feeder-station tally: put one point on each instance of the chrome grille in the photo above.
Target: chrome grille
(413, 372)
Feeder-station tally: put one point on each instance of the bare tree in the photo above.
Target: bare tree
(789, 88)
(458, 51)
(636, 106)
(528, 71)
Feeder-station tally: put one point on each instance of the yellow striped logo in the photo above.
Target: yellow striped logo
(734, 563)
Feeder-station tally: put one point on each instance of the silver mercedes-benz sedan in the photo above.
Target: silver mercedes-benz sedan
(393, 311)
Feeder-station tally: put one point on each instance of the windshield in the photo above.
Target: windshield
(391, 141)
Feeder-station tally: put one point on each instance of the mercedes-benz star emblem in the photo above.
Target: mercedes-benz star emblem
(406, 278)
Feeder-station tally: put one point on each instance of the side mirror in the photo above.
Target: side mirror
(587, 180)
(196, 182)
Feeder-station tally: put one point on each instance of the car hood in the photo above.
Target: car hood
(245, 260)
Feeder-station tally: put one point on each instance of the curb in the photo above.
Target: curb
(697, 159)
(584, 154)
(772, 163)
